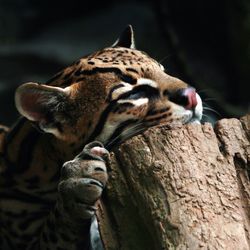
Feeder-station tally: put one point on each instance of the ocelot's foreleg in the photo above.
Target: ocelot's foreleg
(81, 185)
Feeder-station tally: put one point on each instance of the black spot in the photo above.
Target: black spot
(78, 72)
(114, 70)
(132, 70)
(158, 118)
(157, 111)
(91, 63)
(166, 92)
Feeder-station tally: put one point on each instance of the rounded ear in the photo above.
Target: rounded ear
(126, 38)
(41, 103)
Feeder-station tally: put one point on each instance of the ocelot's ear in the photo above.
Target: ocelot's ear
(126, 39)
(42, 104)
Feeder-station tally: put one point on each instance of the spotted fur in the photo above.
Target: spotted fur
(47, 199)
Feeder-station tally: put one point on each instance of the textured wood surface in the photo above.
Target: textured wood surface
(184, 188)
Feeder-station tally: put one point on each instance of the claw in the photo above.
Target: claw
(99, 151)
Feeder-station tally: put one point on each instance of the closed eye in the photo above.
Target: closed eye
(141, 91)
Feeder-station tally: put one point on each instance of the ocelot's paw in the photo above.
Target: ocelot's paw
(82, 181)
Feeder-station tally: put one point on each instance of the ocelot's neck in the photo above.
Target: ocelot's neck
(35, 157)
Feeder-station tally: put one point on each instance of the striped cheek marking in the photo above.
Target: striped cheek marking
(137, 102)
(127, 104)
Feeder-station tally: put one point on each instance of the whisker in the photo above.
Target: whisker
(211, 109)
(205, 116)
(127, 131)
(124, 138)
(129, 135)
(210, 99)
(163, 59)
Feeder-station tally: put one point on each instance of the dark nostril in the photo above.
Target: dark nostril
(184, 97)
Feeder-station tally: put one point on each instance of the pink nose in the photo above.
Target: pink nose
(190, 94)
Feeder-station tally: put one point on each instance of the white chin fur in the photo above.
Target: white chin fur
(195, 121)
(188, 116)
(199, 108)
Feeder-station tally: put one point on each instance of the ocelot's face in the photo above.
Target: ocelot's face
(109, 96)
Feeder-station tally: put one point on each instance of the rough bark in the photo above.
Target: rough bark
(184, 188)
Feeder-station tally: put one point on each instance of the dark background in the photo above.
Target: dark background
(205, 43)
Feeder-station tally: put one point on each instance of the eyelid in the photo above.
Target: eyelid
(117, 92)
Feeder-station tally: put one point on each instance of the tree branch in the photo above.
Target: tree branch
(184, 188)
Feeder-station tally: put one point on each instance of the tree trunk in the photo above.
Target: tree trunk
(184, 188)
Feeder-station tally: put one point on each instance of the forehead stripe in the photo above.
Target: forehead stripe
(118, 72)
(132, 70)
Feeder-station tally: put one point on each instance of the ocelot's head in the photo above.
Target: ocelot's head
(109, 95)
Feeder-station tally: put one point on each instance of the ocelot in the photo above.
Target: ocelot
(48, 199)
